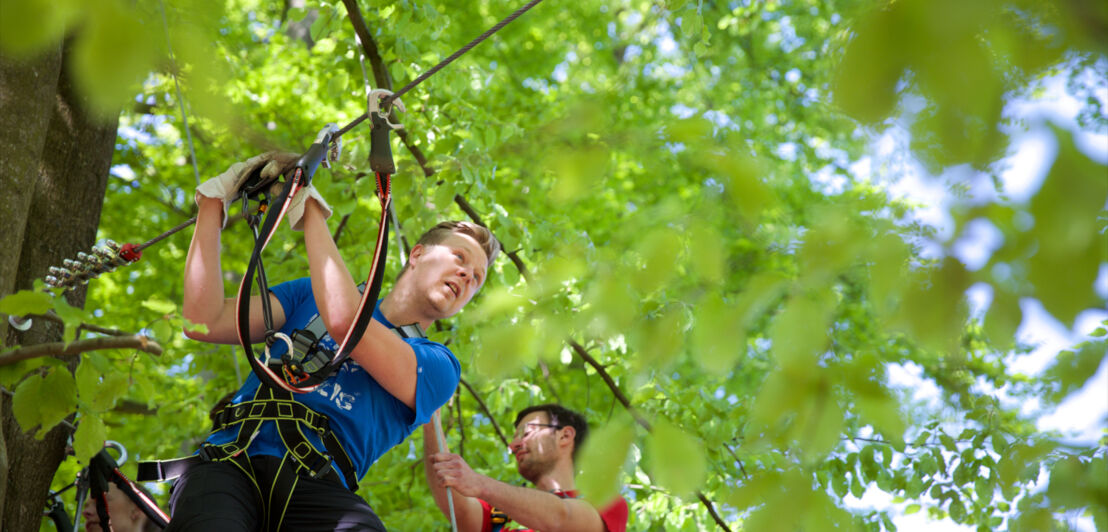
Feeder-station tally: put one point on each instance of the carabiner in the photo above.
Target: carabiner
(375, 106)
(280, 336)
(327, 135)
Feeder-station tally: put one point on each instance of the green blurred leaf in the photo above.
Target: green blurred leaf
(26, 302)
(1072, 369)
(160, 306)
(1065, 211)
(602, 458)
(505, 350)
(676, 459)
(717, 335)
(113, 51)
(28, 26)
(658, 339)
(659, 251)
(577, 170)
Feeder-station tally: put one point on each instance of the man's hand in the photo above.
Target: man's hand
(452, 471)
(296, 208)
(225, 186)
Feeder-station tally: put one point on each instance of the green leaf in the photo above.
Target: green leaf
(676, 459)
(58, 397)
(25, 403)
(948, 442)
(718, 340)
(98, 392)
(911, 509)
(72, 316)
(658, 339)
(1071, 370)
(505, 350)
(28, 26)
(26, 302)
(602, 460)
(44, 401)
(163, 331)
(1067, 232)
(160, 306)
(111, 54)
(89, 438)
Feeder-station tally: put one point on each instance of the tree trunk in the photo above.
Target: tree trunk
(54, 164)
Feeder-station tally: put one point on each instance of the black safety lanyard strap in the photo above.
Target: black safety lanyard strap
(102, 470)
(299, 381)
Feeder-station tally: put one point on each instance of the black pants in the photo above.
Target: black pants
(219, 496)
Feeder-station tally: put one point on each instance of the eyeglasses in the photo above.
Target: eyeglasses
(525, 429)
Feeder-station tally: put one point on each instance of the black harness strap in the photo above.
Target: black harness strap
(308, 373)
(301, 457)
(103, 469)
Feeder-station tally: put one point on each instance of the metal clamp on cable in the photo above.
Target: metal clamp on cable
(380, 150)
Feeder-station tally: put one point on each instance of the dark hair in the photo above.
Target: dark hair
(435, 235)
(562, 417)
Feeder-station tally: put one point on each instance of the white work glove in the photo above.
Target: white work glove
(225, 186)
(296, 208)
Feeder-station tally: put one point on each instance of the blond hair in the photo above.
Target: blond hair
(437, 234)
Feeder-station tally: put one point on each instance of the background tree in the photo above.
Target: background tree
(693, 260)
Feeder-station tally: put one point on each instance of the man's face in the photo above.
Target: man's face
(535, 445)
(448, 273)
(124, 514)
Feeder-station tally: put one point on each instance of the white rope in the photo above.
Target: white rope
(437, 420)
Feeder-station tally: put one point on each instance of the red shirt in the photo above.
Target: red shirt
(614, 515)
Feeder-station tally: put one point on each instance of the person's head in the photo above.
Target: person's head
(126, 516)
(449, 264)
(545, 434)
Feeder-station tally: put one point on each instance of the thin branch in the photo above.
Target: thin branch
(137, 341)
(581, 352)
(737, 459)
(712, 510)
(472, 213)
(546, 376)
(485, 409)
(102, 330)
(51, 316)
(338, 230)
(129, 406)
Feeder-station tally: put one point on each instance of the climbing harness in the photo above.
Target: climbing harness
(93, 481)
(301, 457)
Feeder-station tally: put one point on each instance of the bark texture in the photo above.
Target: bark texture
(54, 166)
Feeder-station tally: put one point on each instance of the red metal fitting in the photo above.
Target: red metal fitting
(129, 253)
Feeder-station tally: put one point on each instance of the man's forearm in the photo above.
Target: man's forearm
(540, 510)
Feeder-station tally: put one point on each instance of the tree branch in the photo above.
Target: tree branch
(137, 341)
(485, 409)
(581, 352)
(513, 255)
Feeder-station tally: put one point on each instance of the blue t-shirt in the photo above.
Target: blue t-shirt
(365, 417)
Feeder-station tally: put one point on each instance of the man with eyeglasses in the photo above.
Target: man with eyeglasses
(545, 444)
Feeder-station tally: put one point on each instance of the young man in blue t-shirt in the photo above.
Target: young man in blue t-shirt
(388, 387)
